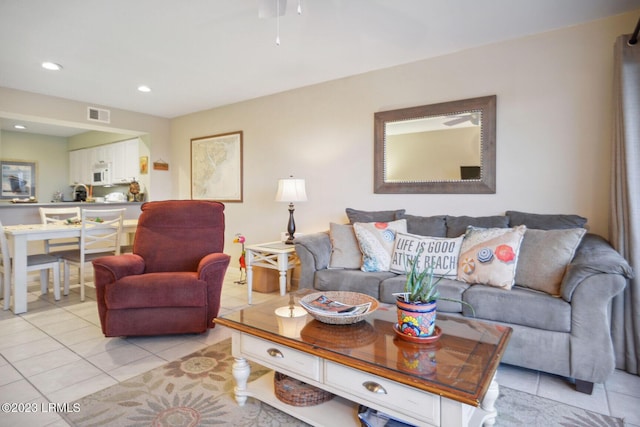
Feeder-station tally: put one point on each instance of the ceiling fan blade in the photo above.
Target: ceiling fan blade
(458, 120)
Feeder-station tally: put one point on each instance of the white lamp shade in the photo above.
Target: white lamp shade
(291, 190)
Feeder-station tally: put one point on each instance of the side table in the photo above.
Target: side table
(274, 255)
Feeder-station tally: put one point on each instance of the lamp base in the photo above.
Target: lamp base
(291, 226)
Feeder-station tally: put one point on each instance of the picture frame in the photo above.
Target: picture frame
(216, 167)
(18, 179)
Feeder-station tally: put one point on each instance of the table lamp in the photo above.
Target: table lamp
(291, 190)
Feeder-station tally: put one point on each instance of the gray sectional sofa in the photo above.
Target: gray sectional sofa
(566, 334)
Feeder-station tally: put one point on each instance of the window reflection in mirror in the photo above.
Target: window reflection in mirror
(439, 148)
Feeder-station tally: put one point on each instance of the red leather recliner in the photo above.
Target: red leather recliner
(172, 281)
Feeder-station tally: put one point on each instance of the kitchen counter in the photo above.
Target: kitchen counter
(28, 213)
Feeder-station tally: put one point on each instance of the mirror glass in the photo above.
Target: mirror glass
(439, 148)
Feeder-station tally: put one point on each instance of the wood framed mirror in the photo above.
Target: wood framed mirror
(439, 148)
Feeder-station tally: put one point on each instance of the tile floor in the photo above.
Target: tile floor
(57, 353)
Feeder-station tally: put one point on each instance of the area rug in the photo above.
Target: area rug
(197, 390)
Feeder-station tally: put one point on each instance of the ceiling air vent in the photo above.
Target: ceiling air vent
(98, 115)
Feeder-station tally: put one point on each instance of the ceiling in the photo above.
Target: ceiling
(200, 54)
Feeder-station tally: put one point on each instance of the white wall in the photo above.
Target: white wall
(553, 133)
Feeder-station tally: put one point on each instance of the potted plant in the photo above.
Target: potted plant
(416, 306)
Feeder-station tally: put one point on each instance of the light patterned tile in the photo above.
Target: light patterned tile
(136, 368)
(517, 378)
(117, 357)
(8, 375)
(46, 361)
(82, 388)
(624, 406)
(97, 345)
(560, 390)
(64, 376)
(18, 391)
(30, 349)
(625, 383)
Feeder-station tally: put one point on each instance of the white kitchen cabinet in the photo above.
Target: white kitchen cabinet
(123, 157)
(124, 164)
(80, 167)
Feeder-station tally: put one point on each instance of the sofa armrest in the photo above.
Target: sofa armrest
(314, 252)
(594, 256)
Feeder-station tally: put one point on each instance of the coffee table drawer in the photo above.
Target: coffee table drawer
(280, 357)
(389, 394)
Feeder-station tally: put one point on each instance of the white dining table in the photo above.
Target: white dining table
(19, 236)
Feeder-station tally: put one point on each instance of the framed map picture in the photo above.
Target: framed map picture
(216, 167)
(18, 179)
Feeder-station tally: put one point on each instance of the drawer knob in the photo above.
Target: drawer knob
(274, 352)
(374, 387)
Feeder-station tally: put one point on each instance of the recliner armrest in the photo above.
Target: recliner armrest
(213, 264)
(108, 269)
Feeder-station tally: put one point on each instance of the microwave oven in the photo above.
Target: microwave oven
(101, 174)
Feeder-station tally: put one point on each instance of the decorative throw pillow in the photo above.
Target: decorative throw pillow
(439, 252)
(376, 242)
(544, 256)
(345, 252)
(489, 256)
(355, 215)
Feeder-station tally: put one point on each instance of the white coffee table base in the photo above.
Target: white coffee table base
(342, 410)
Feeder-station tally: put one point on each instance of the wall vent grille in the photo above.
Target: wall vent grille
(98, 115)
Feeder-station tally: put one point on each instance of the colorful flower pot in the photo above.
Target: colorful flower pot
(416, 319)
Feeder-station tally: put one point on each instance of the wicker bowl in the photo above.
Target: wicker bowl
(350, 298)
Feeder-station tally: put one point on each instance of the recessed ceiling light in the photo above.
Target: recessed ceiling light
(144, 88)
(21, 127)
(52, 66)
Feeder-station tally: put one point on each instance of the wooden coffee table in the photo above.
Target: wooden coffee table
(450, 382)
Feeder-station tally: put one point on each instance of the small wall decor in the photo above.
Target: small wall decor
(18, 179)
(216, 167)
(160, 165)
(144, 165)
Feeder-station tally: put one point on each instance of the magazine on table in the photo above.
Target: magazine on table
(326, 306)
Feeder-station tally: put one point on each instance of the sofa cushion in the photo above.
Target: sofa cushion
(452, 289)
(376, 242)
(426, 225)
(350, 280)
(545, 221)
(519, 306)
(345, 252)
(355, 215)
(457, 225)
(489, 256)
(178, 289)
(437, 252)
(544, 256)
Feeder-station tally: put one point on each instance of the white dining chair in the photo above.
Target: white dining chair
(59, 216)
(41, 262)
(100, 235)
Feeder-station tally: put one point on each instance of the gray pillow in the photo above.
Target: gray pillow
(345, 252)
(435, 226)
(373, 216)
(544, 256)
(545, 221)
(457, 225)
